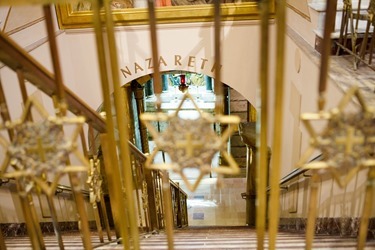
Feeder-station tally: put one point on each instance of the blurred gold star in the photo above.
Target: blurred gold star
(40, 150)
(347, 141)
(191, 143)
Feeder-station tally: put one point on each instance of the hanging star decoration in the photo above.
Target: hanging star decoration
(95, 180)
(191, 143)
(346, 143)
(40, 150)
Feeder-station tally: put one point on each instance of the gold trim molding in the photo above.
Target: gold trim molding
(302, 14)
(70, 19)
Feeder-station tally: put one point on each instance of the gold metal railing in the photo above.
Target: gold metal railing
(28, 69)
(16, 58)
(361, 44)
(134, 204)
(179, 206)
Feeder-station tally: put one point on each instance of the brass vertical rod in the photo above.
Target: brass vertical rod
(116, 198)
(92, 141)
(77, 195)
(85, 149)
(21, 82)
(55, 222)
(31, 222)
(262, 153)
(4, 111)
(250, 184)
(34, 216)
(55, 60)
(310, 228)
(145, 204)
(155, 55)
(168, 209)
(277, 125)
(136, 188)
(105, 217)
(122, 128)
(162, 198)
(80, 203)
(152, 208)
(2, 242)
(94, 204)
(326, 50)
(108, 141)
(38, 230)
(367, 208)
(97, 220)
(83, 142)
(217, 35)
(159, 182)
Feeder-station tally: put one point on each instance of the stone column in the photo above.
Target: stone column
(208, 81)
(131, 118)
(223, 127)
(165, 82)
(139, 98)
(149, 88)
(248, 136)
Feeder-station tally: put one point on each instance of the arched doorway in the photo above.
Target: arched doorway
(208, 205)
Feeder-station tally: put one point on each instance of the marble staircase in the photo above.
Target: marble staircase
(203, 238)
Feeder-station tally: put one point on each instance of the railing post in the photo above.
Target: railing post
(2, 242)
(247, 133)
(151, 200)
(250, 186)
(179, 210)
(129, 114)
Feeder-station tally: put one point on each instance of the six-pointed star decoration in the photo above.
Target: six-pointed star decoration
(346, 143)
(40, 150)
(191, 143)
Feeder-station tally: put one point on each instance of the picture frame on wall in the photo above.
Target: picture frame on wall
(134, 12)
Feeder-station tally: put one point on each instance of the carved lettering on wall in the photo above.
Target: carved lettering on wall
(192, 62)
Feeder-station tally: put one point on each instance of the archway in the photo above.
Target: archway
(204, 203)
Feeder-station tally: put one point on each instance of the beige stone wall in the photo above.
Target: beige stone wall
(26, 26)
(238, 106)
(212, 206)
(301, 95)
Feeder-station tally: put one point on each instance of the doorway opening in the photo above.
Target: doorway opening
(208, 205)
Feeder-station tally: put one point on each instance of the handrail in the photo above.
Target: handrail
(59, 188)
(177, 186)
(16, 58)
(294, 173)
(137, 152)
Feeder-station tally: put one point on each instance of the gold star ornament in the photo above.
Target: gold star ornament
(346, 143)
(40, 150)
(191, 143)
